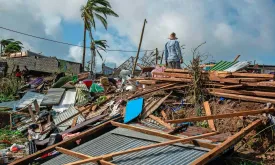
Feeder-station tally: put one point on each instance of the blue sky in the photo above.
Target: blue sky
(245, 27)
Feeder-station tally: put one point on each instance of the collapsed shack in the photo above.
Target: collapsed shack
(161, 120)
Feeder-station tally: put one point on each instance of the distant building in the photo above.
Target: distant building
(267, 69)
(40, 63)
(107, 70)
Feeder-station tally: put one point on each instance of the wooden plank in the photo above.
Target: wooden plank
(160, 134)
(236, 58)
(261, 84)
(36, 106)
(243, 97)
(177, 70)
(232, 86)
(79, 155)
(150, 91)
(31, 112)
(172, 79)
(271, 76)
(251, 79)
(139, 149)
(150, 82)
(161, 122)
(164, 114)
(221, 116)
(63, 143)
(74, 121)
(208, 113)
(224, 80)
(245, 92)
(226, 144)
(155, 107)
(177, 75)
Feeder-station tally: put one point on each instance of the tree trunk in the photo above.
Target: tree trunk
(93, 54)
(1, 50)
(84, 48)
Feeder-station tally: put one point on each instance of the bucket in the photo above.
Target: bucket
(88, 83)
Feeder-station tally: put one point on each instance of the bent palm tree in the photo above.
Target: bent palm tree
(13, 47)
(99, 9)
(4, 43)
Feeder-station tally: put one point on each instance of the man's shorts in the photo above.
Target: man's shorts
(174, 65)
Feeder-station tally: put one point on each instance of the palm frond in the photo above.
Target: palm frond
(102, 20)
(106, 11)
(104, 3)
(99, 54)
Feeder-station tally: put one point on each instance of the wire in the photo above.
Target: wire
(66, 43)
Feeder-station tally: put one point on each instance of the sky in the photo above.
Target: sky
(229, 27)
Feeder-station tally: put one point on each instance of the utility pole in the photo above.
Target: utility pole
(141, 37)
(157, 53)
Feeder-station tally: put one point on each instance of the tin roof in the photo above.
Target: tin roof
(28, 98)
(65, 115)
(222, 65)
(121, 139)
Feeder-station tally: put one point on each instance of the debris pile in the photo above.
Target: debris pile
(56, 112)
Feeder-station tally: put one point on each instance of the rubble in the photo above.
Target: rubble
(160, 104)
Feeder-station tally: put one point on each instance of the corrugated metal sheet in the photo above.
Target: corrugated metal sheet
(53, 97)
(222, 65)
(237, 66)
(29, 97)
(66, 114)
(9, 104)
(67, 100)
(113, 142)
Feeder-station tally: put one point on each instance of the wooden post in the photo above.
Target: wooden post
(208, 113)
(161, 57)
(31, 112)
(236, 58)
(157, 53)
(135, 64)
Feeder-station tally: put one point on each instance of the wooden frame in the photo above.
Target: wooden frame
(80, 156)
(65, 143)
(160, 134)
(226, 144)
(110, 155)
(220, 116)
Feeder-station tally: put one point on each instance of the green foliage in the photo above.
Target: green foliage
(96, 9)
(8, 88)
(11, 136)
(202, 124)
(11, 46)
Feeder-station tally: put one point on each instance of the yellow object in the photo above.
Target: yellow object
(104, 81)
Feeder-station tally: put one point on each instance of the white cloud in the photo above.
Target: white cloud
(75, 52)
(224, 33)
(229, 27)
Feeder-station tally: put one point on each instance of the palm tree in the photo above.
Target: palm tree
(99, 9)
(13, 47)
(4, 43)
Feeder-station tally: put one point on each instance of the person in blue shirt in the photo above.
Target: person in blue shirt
(173, 56)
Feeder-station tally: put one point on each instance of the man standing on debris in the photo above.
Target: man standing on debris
(173, 56)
